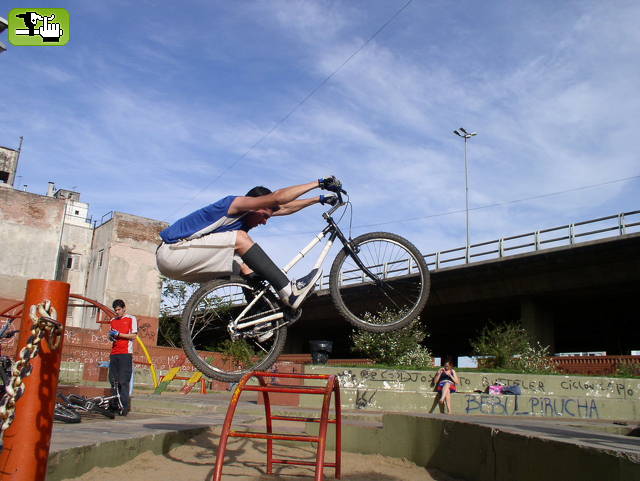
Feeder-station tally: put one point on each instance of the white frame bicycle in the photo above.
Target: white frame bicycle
(230, 326)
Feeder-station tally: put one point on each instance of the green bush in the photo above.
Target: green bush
(535, 360)
(624, 369)
(239, 353)
(401, 348)
(508, 346)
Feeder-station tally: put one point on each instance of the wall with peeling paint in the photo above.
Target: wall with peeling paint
(30, 233)
(114, 260)
(124, 267)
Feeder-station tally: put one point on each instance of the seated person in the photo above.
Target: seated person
(445, 382)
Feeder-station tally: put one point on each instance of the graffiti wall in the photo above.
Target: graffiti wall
(542, 395)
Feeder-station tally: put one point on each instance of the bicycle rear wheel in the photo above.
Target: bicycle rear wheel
(207, 341)
(395, 295)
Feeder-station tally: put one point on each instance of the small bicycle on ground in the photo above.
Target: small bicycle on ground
(105, 405)
(378, 282)
(60, 413)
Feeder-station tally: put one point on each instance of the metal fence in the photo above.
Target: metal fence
(565, 235)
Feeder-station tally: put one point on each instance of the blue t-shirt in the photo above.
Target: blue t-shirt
(209, 219)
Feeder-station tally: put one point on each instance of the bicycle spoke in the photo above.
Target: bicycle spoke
(208, 342)
(397, 290)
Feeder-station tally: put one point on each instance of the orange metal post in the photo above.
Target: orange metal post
(26, 442)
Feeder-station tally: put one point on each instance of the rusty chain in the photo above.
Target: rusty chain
(43, 317)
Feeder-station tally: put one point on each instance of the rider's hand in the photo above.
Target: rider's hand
(330, 183)
(329, 199)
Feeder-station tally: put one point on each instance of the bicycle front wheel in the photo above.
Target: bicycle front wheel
(219, 353)
(385, 288)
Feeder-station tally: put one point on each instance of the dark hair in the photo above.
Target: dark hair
(118, 303)
(257, 191)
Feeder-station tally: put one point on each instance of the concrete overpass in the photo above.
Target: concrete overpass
(573, 287)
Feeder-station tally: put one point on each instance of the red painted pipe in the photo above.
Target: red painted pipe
(27, 440)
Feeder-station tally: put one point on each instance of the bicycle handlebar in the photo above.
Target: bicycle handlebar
(338, 191)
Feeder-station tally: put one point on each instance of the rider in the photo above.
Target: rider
(213, 241)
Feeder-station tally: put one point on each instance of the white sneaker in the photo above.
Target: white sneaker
(301, 288)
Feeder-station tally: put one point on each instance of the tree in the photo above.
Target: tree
(173, 297)
(401, 348)
(508, 346)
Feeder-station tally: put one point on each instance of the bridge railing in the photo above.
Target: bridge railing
(569, 234)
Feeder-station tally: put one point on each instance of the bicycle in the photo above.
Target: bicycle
(105, 405)
(378, 282)
(60, 413)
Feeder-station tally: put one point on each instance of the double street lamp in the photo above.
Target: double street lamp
(466, 136)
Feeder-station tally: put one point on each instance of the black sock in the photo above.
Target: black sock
(261, 264)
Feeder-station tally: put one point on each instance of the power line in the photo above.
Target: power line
(297, 106)
(498, 204)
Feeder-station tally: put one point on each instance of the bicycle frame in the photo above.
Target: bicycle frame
(333, 231)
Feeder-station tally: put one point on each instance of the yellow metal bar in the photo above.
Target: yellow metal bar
(154, 374)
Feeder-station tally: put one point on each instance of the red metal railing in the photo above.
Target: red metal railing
(597, 365)
(27, 440)
(331, 387)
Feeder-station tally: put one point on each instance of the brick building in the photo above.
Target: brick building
(51, 237)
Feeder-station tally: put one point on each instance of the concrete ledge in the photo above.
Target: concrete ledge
(75, 461)
(476, 448)
(483, 451)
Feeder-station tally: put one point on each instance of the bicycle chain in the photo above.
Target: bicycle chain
(43, 317)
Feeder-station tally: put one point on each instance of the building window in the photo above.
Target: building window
(4, 177)
(77, 212)
(73, 262)
(100, 257)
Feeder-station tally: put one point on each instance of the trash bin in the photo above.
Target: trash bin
(320, 351)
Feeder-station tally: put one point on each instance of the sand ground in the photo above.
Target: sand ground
(246, 461)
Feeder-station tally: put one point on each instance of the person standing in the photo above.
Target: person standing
(124, 330)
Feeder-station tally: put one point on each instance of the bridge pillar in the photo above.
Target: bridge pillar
(538, 320)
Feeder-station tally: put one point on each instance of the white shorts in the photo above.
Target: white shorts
(200, 260)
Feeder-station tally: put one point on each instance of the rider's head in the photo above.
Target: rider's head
(259, 216)
(257, 191)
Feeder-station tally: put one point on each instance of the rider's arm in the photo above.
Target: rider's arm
(276, 199)
(435, 381)
(296, 205)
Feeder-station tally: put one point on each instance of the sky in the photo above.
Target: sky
(158, 108)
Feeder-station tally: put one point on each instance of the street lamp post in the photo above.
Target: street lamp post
(466, 136)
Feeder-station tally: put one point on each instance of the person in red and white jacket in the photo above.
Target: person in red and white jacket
(124, 330)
